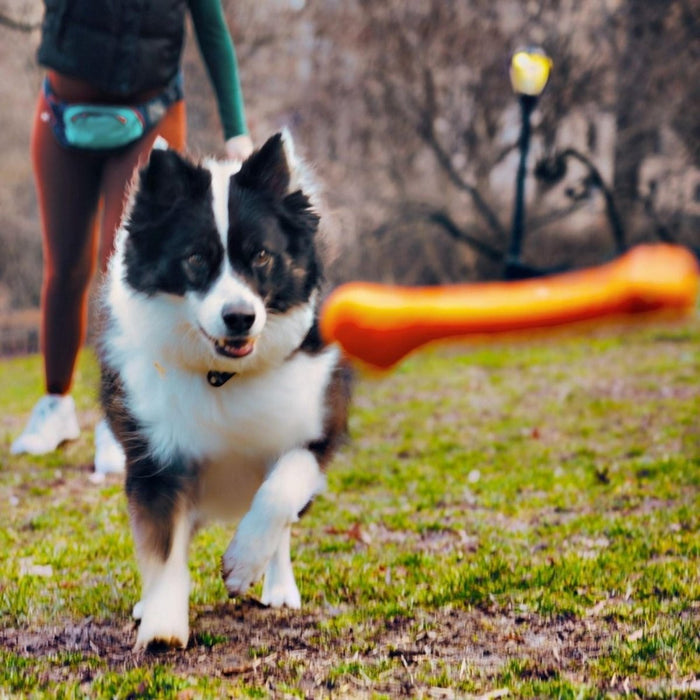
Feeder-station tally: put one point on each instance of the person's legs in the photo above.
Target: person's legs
(67, 184)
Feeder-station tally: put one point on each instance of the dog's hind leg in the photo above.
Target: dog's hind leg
(279, 586)
(262, 539)
(164, 605)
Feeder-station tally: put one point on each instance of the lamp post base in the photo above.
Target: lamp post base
(515, 269)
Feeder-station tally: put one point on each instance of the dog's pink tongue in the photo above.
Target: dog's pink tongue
(241, 350)
(235, 349)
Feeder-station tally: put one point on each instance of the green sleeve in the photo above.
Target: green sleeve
(216, 47)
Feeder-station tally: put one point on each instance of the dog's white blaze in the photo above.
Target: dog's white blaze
(229, 288)
(221, 173)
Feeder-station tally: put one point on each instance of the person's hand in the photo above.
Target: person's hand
(239, 147)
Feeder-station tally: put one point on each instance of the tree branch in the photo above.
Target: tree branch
(18, 25)
(427, 133)
(440, 218)
(618, 231)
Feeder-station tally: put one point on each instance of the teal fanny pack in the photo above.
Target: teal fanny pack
(101, 126)
(106, 127)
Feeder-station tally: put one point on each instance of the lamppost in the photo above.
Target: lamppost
(529, 73)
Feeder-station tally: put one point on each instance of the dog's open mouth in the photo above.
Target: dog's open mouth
(230, 347)
(234, 347)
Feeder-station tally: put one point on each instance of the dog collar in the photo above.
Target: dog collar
(217, 379)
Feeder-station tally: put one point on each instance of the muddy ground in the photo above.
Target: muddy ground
(291, 648)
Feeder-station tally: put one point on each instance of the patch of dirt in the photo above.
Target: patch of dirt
(268, 647)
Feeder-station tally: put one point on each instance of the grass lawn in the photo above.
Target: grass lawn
(507, 520)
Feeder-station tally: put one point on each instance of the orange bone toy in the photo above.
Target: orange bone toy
(380, 324)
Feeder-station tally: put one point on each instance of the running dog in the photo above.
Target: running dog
(215, 379)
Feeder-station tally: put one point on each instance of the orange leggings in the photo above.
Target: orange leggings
(81, 198)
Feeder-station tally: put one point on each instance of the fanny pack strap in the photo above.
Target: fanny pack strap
(154, 110)
(149, 112)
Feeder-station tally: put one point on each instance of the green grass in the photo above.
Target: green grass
(507, 516)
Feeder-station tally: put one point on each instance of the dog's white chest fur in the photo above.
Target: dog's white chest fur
(236, 431)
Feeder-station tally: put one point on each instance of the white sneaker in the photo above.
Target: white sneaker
(53, 421)
(109, 455)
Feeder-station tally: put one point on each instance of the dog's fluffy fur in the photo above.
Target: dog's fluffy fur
(215, 280)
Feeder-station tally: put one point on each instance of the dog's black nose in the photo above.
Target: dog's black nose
(238, 317)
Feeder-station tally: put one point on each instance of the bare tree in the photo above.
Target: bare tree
(657, 64)
(434, 97)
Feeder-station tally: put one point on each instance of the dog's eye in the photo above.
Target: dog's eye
(196, 263)
(262, 258)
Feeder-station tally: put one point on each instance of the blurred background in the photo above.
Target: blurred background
(406, 111)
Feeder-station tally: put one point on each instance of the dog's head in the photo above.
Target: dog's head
(221, 260)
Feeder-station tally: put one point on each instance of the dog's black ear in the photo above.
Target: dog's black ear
(266, 169)
(301, 215)
(168, 177)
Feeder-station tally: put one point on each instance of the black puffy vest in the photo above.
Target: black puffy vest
(119, 46)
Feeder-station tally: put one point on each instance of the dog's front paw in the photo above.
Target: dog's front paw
(245, 560)
(279, 593)
(158, 627)
(164, 616)
(241, 568)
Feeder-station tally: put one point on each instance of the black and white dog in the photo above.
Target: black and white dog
(214, 377)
